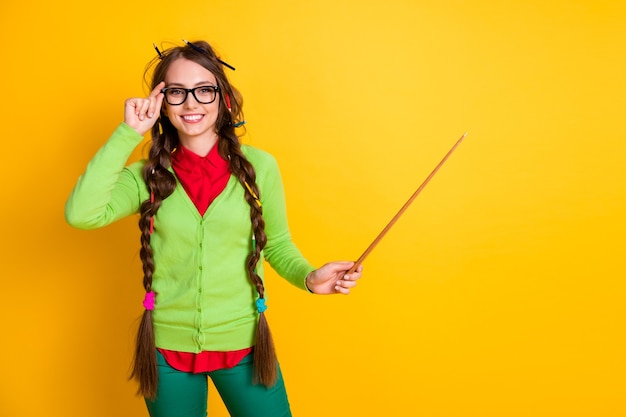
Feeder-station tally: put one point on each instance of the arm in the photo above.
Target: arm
(282, 253)
(107, 191)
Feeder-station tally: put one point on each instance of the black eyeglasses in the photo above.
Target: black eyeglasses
(175, 96)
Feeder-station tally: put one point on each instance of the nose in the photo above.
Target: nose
(190, 100)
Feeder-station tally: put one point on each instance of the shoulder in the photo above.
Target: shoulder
(259, 158)
(136, 169)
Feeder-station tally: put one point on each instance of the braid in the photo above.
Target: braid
(265, 361)
(160, 183)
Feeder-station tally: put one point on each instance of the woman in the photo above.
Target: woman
(210, 211)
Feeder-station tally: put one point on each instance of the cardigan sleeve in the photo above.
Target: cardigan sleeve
(280, 251)
(107, 191)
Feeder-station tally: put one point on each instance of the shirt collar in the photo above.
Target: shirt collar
(187, 160)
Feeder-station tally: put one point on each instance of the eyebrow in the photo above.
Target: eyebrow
(201, 83)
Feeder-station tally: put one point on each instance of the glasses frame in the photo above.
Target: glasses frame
(193, 93)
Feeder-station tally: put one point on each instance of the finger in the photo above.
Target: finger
(347, 283)
(139, 108)
(342, 286)
(152, 102)
(160, 99)
(353, 276)
(343, 264)
(137, 104)
(155, 105)
(133, 103)
(145, 108)
(157, 90)
(130, 110)
(341, 290)
(355, 273)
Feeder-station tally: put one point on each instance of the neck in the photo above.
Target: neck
(201, 146)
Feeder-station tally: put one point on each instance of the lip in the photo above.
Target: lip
(192, 118)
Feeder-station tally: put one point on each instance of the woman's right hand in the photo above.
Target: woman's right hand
(142, 113)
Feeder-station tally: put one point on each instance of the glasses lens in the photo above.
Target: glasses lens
(205, 94)
(175, 95)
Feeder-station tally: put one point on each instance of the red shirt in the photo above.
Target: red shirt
(203, 178)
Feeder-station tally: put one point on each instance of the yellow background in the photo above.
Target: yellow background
(499, 293)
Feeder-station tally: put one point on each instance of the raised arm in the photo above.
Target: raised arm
(107, 191)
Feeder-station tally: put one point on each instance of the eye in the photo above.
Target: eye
(175, 91)
(206, 90)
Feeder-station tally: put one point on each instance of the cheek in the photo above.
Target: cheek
(171, 115)
(215, 106)
(216, 110)
(167, 110)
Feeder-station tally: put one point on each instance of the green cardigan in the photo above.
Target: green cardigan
(204, 298)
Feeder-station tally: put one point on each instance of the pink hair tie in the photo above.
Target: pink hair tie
(148, 301)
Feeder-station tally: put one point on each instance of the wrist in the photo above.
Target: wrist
(306, 283)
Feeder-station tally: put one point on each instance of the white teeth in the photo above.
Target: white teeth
(192, 118)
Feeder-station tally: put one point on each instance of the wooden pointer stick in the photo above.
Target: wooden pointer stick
(403, 209)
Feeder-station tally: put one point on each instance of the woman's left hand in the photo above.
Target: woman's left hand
(333, 278)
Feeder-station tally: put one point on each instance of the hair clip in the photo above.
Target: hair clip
(202, 51)
(227, 98)
(197, 48)
(158, 52)
(152, 216)
(256, 198)
(225, 64)
(152, 202)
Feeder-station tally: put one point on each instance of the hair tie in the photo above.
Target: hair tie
(260, 305)
(148, 301)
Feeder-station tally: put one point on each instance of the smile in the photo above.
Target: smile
(192, 117)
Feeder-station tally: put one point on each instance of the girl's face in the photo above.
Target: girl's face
(193, 120)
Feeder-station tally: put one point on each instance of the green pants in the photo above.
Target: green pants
(183, 394)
